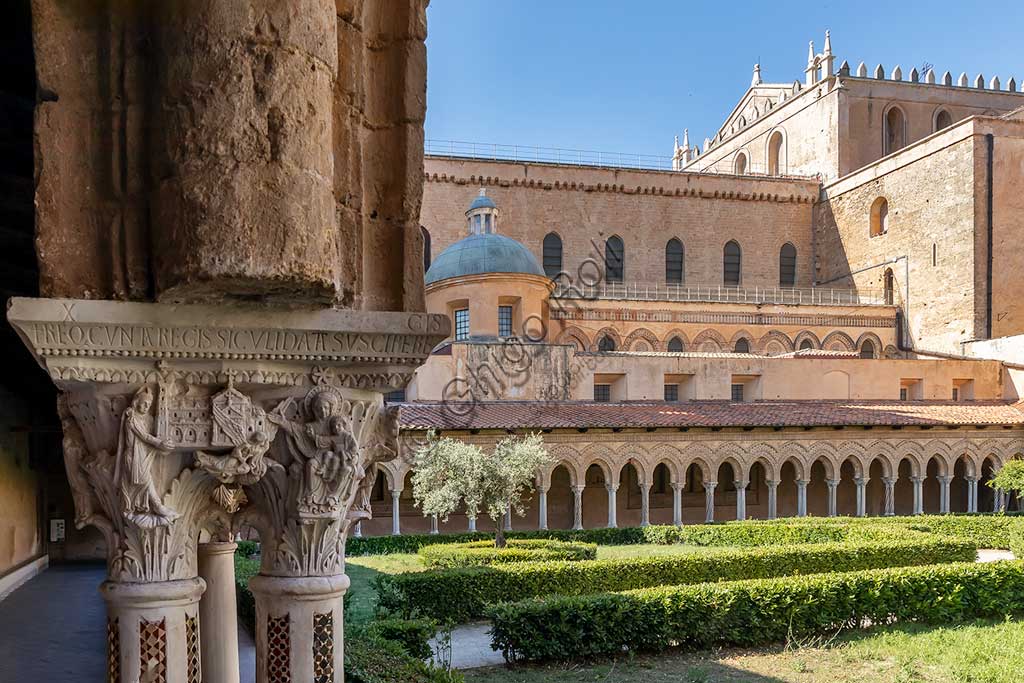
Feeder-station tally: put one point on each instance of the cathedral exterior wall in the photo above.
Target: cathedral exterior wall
(931, 242)
(585, 206)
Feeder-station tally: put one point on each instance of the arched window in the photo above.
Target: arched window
(943, 119)
(614, 259)
(775, 153)
(787, 265)
(742, 345)
(426, 248)
(879, 217)
(674, 262)
(806, 344)
(675, 345)
(888, 287)
(552, 255)
(894, 131)
(606, 343)
(732, 264)
(739, 166)
(867, 349)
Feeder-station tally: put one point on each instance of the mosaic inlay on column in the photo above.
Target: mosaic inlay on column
(153, 651)
(323, 648)
(278, 650)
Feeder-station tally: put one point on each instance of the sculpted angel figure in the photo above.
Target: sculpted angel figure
(137, 449)
(244, 465)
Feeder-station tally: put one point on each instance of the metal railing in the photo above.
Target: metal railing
(548, 155)
(807, 296)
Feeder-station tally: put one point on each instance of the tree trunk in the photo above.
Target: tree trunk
(499, 532)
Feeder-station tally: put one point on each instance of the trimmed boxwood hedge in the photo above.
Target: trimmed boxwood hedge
(478, 553)
(460, 595)
(748, 613)
(987, 530)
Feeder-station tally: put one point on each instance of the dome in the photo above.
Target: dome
(481, 254)
(482, 201)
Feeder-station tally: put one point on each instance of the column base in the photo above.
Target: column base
(299, 627)
(153, 630)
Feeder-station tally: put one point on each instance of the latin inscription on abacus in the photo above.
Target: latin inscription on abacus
(205, 340)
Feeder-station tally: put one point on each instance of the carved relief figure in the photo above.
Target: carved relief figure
(137, 449)
(383, 448)
(76, 459)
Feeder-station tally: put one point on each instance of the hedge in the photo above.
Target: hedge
(477, 553)
(460, 595)
(1017, 543)
(749, 613)
(987, 530)
(413, 634)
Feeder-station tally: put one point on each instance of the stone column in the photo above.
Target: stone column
(918, 482)
(299, 627)
(577, 507)
(972, 493)
(153, 630)
(999, 501)
(358, 533)
(801, 497)
(709, 501)
(741, 499)
(218, 613)
(471, 524)
(645, 504)
(542, 503)
(434, 530)
(833, 486)
(944, 482)
(861, 483)
(396, 513)
(890, 496)
(677, 503)
(613, 490)
(773, 493)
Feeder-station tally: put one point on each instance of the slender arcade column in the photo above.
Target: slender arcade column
(741, 499)
(861, 483)
(773, 493)
(577, 507)
(613, 490)
(801, 497)
(471, 524)
(542, 504)
(677, 503)
(890, 496)
(396, 513)
(434, 530)
(833, 486)
(918, 494)
(645, 504)
(218, 613)
(709, 501)
(972, 494)
(944, 483)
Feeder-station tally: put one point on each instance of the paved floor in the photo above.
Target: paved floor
(53, 630)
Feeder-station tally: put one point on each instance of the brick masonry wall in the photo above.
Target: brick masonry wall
(586, 206)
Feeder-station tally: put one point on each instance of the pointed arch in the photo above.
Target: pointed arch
(775, 342)
(838, 340)
(710, 341)
(676, 341)
(606, 333)
(741, 163)
(644, 334)
(894, 129)
(805, 339)
(576, 336)
(742, 342)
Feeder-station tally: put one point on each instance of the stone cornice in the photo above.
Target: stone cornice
(808, 197)
(65, 333)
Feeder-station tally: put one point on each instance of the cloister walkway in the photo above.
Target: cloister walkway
(54, 629)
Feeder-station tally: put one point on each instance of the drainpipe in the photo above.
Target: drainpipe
(989, 148)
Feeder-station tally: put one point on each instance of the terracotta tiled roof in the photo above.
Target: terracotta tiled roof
(587, 414)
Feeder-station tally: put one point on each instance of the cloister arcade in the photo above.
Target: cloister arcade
(635, 483)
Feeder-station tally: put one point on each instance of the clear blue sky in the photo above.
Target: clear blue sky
(627, 76)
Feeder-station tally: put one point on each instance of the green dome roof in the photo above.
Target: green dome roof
(481, 254)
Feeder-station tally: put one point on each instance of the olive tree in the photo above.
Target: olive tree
(449, 472)
(1010, 478)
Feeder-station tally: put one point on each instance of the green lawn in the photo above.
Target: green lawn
(983, 652)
